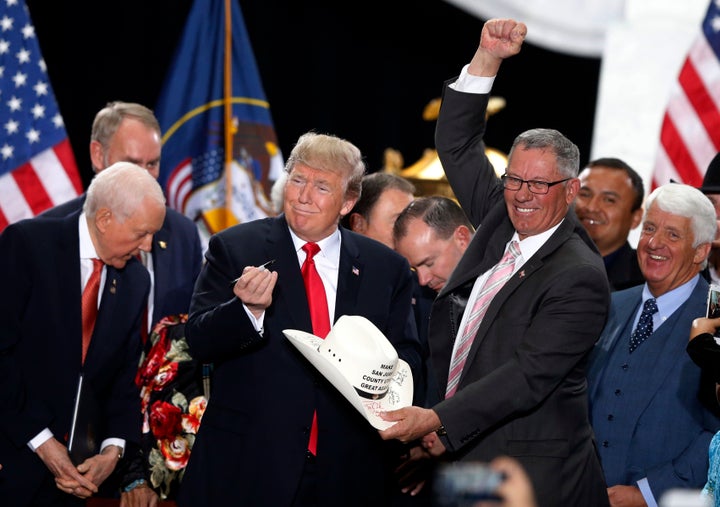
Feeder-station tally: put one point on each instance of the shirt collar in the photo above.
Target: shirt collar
(532, 244)
(329, 247)
(87, 249)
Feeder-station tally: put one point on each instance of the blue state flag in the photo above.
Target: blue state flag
(220, 153)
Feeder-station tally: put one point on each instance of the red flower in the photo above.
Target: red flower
(165, 420)
(176, 452)
(165, 375)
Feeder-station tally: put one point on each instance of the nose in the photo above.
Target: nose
(523, 193)
(424, 276)
(146, 244)
(654, 241)
(304, 194)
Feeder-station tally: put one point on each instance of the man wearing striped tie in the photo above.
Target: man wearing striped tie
(511, 328)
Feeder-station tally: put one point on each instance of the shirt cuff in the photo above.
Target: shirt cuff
(257, 323)
(114, 441)
(646, 492)
(468, 83)
(40, 439)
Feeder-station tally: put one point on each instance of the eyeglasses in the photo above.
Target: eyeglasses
(535, 186)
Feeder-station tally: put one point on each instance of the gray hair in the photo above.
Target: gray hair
(122, 187)
(109, 118)
(689, 202)
(332, 154)
(567, 154)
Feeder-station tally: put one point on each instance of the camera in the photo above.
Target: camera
(462, 484)
(713, 302)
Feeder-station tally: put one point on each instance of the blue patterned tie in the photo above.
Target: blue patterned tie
(645, 324)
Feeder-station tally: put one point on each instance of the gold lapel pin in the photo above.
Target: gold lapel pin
(162, 244)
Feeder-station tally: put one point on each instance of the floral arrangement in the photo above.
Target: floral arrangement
(173, 390)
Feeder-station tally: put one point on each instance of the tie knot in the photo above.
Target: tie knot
(97, 265)
(650, 306)
(311, 249)
(514, 249)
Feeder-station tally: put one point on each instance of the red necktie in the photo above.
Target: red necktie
(317, 301)
(90, 305)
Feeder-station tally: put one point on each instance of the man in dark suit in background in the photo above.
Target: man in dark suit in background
(609, 205)
(711, 188)
(253, 447)
(652, 413)
(522, 389)
(44, 264)
(127, 131)
(384, 196)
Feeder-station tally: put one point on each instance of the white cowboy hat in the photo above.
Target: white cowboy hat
(362, 364)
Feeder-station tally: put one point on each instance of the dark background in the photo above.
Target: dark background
(362, 70)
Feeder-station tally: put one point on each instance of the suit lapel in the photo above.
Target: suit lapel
(292, 298)
(160, 253)
(617, 329)
(350, 273)
(667, 344)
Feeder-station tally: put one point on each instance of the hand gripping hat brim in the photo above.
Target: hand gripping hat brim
(362, 364)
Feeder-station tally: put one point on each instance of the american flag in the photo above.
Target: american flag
(37, 165)
(690, 133)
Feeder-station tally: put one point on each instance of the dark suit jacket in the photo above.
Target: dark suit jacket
(623, 269)
(177, 257)
(251, 446)
(523, 391)
(40, 348)
(661, 426)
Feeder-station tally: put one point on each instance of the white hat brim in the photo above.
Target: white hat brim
(400, 390)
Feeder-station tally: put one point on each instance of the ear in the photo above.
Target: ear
(701, 252)
(347, 206)
(572, 189)
(358, 223)
(636, 217)
(462, 236)
(97, 155)
(103, 217)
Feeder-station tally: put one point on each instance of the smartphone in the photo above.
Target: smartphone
(713, 302)
(462, 484)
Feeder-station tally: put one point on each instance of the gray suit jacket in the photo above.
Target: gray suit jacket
(523, 391)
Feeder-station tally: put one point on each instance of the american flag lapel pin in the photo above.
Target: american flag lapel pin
(355, 271)
(521, 274)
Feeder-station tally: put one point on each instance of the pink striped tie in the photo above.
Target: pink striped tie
(497, 278)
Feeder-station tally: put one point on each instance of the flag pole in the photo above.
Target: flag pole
(228, 93)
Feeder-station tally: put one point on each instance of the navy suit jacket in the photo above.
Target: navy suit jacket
(177, 257)
(523, 390)
(623, 269)
(40, 348)
(251, 446)
(661, 424)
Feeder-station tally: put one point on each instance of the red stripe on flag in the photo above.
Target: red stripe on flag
(678, 153)
(63, 151)
(704, 105)
(3, 220)
(32, 188)
(690, 132)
